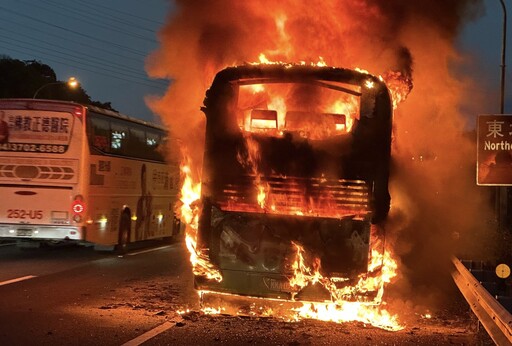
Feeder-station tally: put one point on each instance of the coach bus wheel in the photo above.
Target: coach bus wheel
(124, 234)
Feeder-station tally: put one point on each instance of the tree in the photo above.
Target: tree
(21, 79)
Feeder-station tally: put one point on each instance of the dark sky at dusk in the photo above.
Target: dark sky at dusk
(103, 43)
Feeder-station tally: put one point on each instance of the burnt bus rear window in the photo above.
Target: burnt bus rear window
(314, 110)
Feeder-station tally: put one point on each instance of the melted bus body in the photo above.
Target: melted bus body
(294, 155)
(70, 172)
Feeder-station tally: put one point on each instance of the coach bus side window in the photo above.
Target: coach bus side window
(163, 148)
(99, 133)
(119, 138)
(137, 142)
(153, 143)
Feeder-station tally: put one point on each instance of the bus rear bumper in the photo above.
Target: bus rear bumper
(41, 232)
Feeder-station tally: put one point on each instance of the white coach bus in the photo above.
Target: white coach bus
(70, 172)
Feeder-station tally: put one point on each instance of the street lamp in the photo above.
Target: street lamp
(72, 83)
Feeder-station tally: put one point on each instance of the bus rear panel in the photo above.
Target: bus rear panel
(40, 171)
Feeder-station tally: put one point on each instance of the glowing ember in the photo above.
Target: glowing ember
(212, 311)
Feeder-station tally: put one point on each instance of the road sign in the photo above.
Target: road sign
(494, 150)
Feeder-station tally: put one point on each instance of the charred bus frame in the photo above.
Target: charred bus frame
(252, 246)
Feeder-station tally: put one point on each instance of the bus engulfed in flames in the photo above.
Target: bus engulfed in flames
(294, 192)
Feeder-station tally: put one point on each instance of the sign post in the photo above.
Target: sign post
(494, 158)
(494, 155)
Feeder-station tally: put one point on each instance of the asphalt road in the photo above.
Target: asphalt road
(76, 296)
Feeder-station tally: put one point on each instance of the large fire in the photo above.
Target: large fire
(201, 38)
(190, 194)
(382, 267)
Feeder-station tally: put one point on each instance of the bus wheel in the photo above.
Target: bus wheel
(124, 235)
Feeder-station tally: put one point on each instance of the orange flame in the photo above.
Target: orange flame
(252, 160)
(399, 86)
(189, 212)
(350, 311)
(304, 275)
(347, 108)
(264, 60)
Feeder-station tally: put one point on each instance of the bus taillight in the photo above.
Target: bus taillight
(78, 208)
(78, 112)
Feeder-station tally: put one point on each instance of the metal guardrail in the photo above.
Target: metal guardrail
(496, 320)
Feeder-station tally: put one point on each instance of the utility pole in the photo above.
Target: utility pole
(502, 191)
(503, 52)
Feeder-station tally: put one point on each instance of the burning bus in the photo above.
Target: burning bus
(294, 187)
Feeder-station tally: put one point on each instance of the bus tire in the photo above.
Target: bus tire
(124, 234)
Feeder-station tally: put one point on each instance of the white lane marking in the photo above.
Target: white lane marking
(17, 279)
(148, 250)
(8, 244)
(152, 333)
